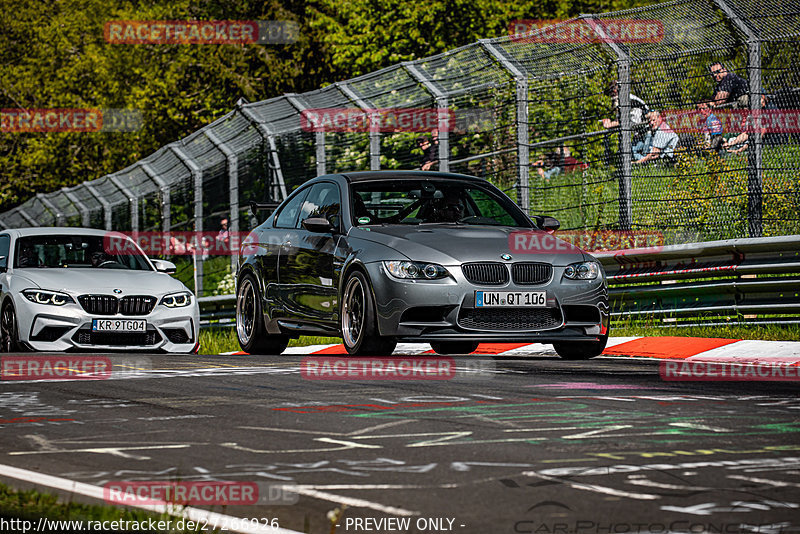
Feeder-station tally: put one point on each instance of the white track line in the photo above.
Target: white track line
(224, 522)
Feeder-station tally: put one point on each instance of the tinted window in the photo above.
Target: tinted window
(287, 217)
(433, 202)
(5, 242)
(78, 251)
(323, 201)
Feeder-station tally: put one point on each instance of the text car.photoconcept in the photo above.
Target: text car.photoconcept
(386, 256)
(84, 289)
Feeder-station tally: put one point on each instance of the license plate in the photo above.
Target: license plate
(512, 299)
(119, 325)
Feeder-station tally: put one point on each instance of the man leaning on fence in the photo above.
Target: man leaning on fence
(658, 144)
(730, 87)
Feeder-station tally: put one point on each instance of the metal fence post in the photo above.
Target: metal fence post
(523, 134)
(197, 178)
(25, 216)
(441, 103)
(374, 135)
(624, 171)
(85, 214)
(233, 189)
(754, 151)
(319, 137)
(279, 187)
(56, 212)
(133, 202)
(107, 207)
(166, 198)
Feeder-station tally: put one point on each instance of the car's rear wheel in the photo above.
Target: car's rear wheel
(358, 320)
(9, 332)
(454, 347)
(250, 330)
(581, 350)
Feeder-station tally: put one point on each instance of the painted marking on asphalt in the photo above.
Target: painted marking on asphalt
(594, 487)
(113, 451)
(350, 501)
(221, 521)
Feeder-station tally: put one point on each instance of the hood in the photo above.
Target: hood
(102, 281)
(451, 244)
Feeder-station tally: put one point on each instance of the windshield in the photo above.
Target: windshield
(433, 202)
(76, 251)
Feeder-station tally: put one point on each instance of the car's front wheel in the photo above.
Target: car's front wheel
(581, 350)
(9, 332)
(253, 336)
(359, 322)
(454, 347)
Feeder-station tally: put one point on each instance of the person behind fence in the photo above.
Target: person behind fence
(659, 143)
(712, 127)
(430, 151)
(731, 88)
(224, 235)
(738, 143)
(556, 162)
(639, 110)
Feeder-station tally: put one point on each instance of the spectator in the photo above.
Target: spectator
(730, 87)
(223, 236)
(712, 127)
(639, 109)
(659, 143)
(737, 143)
(430, 151)
(556, 162)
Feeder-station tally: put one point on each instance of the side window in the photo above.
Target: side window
(323, 201)
(5, 243)
(287, 217)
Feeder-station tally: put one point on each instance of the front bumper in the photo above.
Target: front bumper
(69, 327)
(444, 310)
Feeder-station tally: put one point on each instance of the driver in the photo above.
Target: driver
(99, 258)
(450, 208)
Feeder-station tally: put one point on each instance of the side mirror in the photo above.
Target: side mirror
(318, 225)
(164, 266)
(547, 223)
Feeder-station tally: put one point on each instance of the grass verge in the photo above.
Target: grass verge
(17, 506)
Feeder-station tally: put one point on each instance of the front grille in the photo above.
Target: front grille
(88, 337)
(485, 274)
(510, 319)
(136, 305)
(110, 305)
(525, 273)
(99, 304)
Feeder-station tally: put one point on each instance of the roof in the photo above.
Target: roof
(56, 230)
(363, 176)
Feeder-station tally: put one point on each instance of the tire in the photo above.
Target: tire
(454, 347)
(9, 330)
(581, 350)
(250, 330)
(358, 320)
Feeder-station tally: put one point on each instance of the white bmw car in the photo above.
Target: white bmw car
(78, 289)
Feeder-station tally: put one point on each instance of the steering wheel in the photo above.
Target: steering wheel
(107, 262)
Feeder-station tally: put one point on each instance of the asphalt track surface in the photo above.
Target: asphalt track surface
(506, 445)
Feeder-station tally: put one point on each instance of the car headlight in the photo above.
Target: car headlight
(177, 300)
(587, 270)
(42, 296)
(415, 270)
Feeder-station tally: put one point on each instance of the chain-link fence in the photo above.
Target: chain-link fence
(563, 123)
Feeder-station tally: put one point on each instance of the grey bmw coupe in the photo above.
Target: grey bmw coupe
(385, 256)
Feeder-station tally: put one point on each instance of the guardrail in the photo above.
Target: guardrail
(717, 282)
